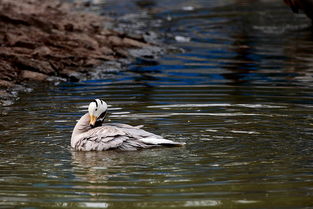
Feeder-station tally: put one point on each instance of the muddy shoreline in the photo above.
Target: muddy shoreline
(52, 40)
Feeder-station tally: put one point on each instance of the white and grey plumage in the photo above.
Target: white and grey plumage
(91, 134)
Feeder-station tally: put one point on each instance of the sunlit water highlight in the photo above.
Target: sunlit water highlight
(240, 96)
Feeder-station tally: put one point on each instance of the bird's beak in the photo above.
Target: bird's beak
(92, 120)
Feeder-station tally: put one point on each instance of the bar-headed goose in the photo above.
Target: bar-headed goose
(91, 134)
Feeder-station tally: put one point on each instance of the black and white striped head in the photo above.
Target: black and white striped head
(97, 111)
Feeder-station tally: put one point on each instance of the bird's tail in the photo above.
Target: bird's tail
(161, 141)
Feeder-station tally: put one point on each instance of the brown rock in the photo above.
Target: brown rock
(134, 43)
(71, 74)
(34, 64)
(42, 51)
(115, 41)
(30, 75)
(7, 71)
(6, 84)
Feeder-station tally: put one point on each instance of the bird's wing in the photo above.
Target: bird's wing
(122, 125)
(135, 135)
(145, 137)
(109, 137)
(100, 138)
(133, 131)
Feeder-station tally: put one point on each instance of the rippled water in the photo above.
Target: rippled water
(240, 96)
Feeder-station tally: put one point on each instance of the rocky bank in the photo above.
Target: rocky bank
(48, 38)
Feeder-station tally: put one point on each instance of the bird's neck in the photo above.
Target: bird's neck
(82, 125)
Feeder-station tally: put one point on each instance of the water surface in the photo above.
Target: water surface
(240, 95)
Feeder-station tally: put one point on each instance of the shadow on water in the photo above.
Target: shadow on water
(239, 95)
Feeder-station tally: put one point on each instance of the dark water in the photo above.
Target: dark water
(240, 96)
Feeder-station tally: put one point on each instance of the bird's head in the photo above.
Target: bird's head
(97, 111)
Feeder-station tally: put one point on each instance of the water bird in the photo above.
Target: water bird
(305, 5)
(92, 134)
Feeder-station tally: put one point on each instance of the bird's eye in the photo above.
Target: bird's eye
(96, 109)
